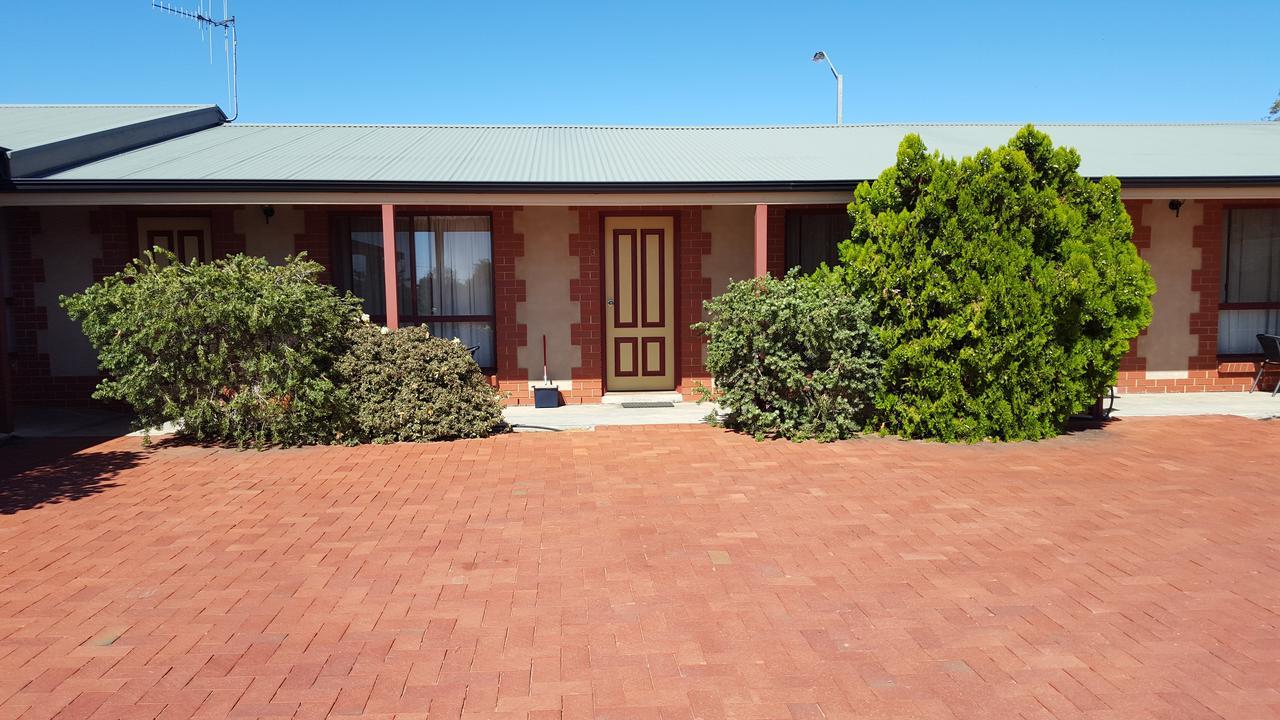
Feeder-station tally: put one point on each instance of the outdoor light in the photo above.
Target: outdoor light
(1176, 207)
(267, 212)
(819, 57)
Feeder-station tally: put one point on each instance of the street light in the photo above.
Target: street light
(819, 57)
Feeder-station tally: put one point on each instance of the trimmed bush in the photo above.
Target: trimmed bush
(1005, 288)
(407, 386)
(234, 351)
(793, 358)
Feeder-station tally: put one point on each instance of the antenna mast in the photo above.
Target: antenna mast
(203, 18)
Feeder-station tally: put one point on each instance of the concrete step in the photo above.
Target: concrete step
(641, 399)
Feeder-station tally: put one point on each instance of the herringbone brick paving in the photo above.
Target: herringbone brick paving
(661, 572)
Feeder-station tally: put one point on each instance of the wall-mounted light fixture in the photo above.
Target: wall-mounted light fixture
(267, 212)
(1176, 207)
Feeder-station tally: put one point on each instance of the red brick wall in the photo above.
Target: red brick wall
(315, 239)
(508, 292)
(692, 289)
(1133, 367)
(586, 333)
(223, 239)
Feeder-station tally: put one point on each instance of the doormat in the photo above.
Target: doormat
(647, 404)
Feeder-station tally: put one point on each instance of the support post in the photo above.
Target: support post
(6, 383)
(390, 278)
(762, 240)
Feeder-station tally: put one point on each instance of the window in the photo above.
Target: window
(1250, 302)
(444, 265)
(814, 237)
(188, 245)
(186, 237)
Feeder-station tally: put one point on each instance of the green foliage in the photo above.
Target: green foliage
(406, 385)
(792, 358)
(236, 351)
(1005, 288)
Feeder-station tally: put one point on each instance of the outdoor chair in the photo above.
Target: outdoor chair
(1270, 357)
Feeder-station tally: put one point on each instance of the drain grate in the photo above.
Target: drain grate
(647, 404)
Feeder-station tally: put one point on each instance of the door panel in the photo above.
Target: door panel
(639, 280)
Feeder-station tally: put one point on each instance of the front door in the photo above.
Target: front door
(639, 291)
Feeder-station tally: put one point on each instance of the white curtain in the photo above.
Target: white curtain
(453, 269)
(1251, 274)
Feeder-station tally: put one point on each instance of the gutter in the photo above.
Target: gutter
(37, 185)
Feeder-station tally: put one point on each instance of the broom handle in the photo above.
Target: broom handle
(545, 381)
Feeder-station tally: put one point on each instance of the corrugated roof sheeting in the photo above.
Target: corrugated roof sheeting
(28, 126)
(604, 155)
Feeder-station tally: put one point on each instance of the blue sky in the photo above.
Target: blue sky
(658, 62)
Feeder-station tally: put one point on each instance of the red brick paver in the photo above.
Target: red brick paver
(630, 573)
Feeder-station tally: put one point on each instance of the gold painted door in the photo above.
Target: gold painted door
(639, 291)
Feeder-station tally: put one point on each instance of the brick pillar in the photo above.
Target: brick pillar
(508, 292)
(694, 288)
(314, 240)
(224, 240)
(1133, 368)
(1207, 282)
(30, 368)
(588, 376)
(777, 240)
(115, 230)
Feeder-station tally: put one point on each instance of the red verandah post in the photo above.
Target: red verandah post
(762, 240)
(389, 275)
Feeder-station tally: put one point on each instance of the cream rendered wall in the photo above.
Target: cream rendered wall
(68, 250)
(272, 240)
(732, 232)
(1168, 343)
(732, 229)
(546, 268)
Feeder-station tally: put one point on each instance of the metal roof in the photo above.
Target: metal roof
(254, 156)
(37, 139)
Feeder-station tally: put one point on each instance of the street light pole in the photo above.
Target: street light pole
(819, 57)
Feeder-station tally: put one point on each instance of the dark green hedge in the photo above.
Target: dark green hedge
(1004, 286)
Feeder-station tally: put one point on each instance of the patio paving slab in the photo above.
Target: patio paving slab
(1257, 405)
(647, 572)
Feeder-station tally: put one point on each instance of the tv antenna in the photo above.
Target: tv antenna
(203, 17)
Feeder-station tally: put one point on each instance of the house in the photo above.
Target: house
(603, 240)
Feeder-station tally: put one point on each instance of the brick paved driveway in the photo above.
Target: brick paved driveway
(670, 572)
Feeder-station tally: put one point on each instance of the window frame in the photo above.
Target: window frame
(1223, 288)
(836, 211)
(343, 242)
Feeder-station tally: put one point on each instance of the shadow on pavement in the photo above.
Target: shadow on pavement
(54, 470)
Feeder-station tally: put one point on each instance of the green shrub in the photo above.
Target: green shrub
(407, 386)
(1005, 288)
(236, 351)
(792, 358)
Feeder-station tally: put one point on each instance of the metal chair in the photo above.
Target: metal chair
(1270, 356)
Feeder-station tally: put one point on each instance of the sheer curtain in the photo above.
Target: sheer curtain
(1251, 276)
(453, 273)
